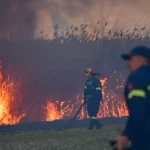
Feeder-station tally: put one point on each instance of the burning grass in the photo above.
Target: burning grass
(11, 111)
(74, 139)
(112, 105)
(14, 102)
(8, 104)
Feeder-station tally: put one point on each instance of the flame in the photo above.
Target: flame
(7, 115)
(52, 112)
(111, 106)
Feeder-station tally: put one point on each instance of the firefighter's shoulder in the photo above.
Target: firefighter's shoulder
(140, 78)
(143, 74)
(97, 83)
(96, 80)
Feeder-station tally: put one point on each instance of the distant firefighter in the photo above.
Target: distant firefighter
(137, 94)
(92, 96)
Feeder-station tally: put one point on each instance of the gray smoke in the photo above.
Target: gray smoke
(17, 19)
(20, 18)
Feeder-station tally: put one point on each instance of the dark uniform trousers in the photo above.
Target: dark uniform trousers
(93, 95)
(93, 107)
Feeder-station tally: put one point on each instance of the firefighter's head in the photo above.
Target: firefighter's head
(137, 57)
(89, 72)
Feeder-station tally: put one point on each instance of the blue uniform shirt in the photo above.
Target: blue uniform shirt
(137, 94)
(93, 88)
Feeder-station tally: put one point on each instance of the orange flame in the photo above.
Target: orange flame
(6, 102)
(52, 112)
(111, 106)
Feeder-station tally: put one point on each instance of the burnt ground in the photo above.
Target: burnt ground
(58, 125)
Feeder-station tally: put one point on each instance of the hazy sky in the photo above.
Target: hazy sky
(30, 17)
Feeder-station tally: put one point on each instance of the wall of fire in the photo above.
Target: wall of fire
(35, 72)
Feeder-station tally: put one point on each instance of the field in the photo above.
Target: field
(73, 139)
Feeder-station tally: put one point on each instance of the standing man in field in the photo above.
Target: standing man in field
(92, 96)
(137, 94)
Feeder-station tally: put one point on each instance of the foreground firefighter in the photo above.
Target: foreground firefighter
(137, 94)
(92, 96)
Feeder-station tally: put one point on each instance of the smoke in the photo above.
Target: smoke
(17, 19)
(20, 18)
